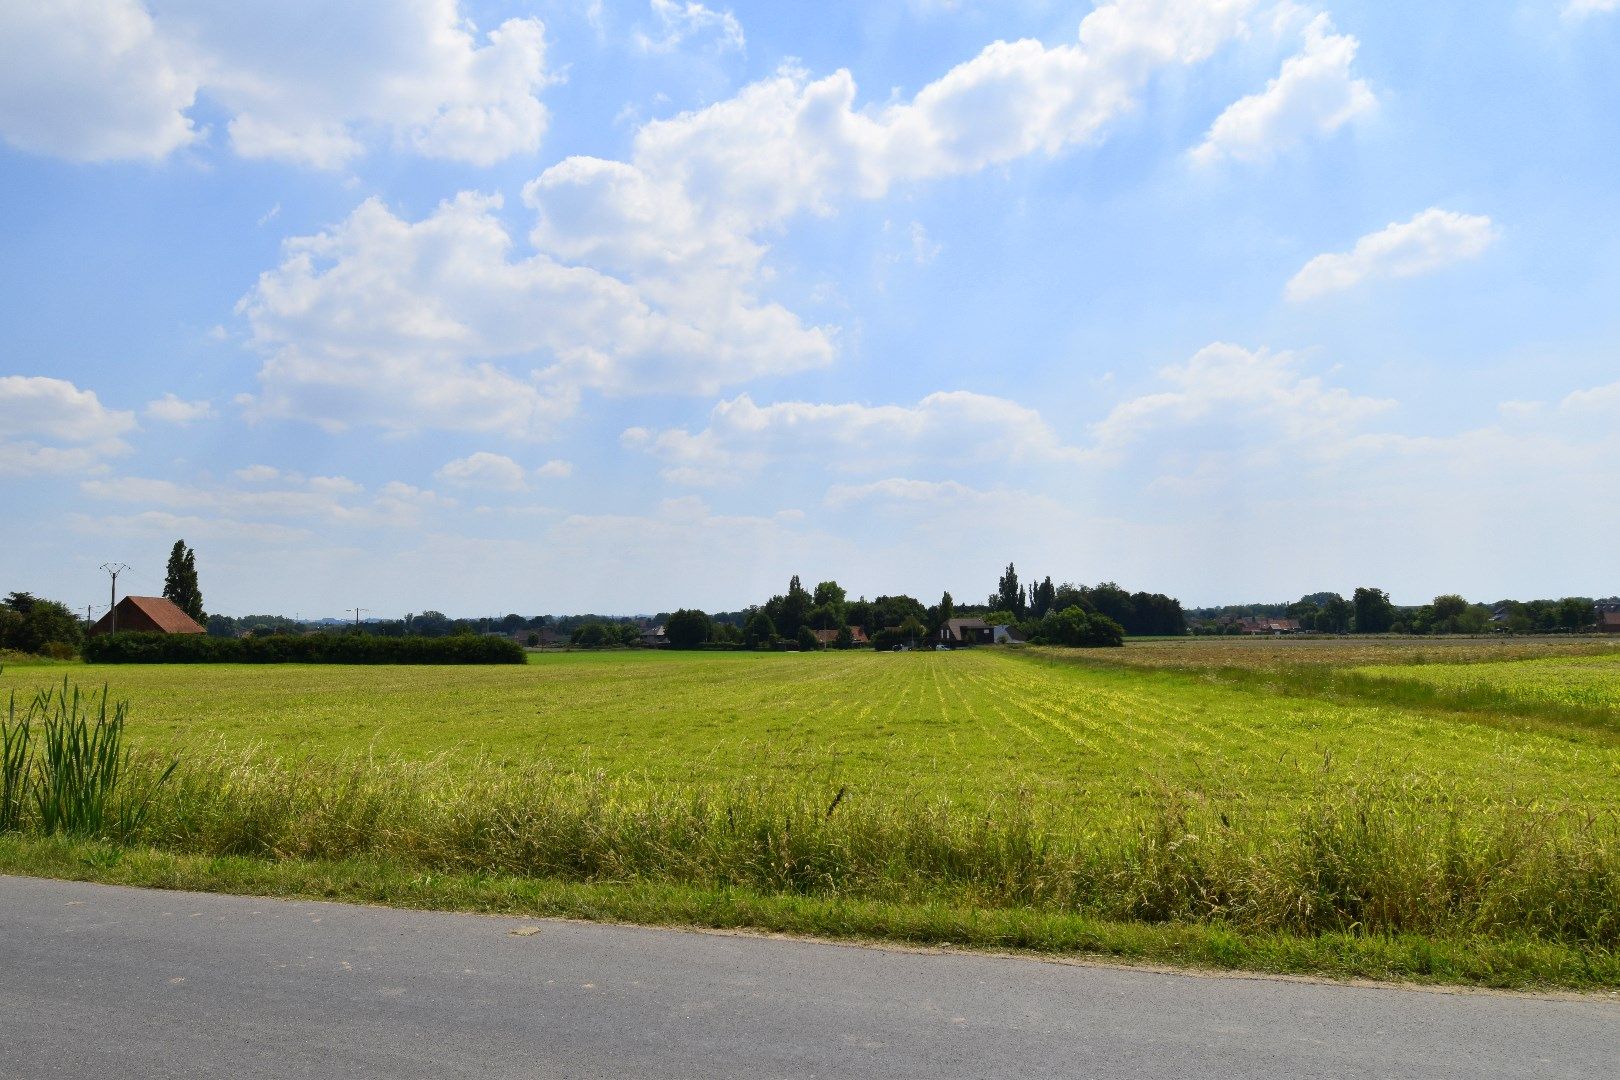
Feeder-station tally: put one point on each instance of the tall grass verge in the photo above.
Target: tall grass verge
(1407, 858)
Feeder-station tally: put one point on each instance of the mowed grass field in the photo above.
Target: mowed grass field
(969, 726)
(1572, 682)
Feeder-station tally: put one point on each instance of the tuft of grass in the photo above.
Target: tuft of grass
(16, 761)
(64, 767)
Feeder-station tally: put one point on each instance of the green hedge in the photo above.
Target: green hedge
(132, 648)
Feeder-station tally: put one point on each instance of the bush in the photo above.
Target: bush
(135, 648)
(1075, 628)
(808, 642)
(31, 625)
(688, 629)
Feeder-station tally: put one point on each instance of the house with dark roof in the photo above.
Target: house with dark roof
(967, 632)
(147, 615)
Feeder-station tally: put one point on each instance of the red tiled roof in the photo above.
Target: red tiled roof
(164, 613)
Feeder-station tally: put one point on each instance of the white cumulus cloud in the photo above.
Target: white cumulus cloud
(172, 410)
(1315, 94)
(742, 438)
(92, 80)
(1433, 239)
(680, 22)
(52, 426)
(1580, 9)
(496, 472)
(1246, 396)
(647, 275)
(299, 80)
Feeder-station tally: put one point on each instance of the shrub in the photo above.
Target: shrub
(1076, 628)
(136, 648)
(688, 628)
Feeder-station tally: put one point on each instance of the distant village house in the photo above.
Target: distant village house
(148, 615)
(1268, 626)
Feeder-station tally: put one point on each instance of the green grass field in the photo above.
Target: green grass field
(1590, 683)
(1351, 807)
(967, 725)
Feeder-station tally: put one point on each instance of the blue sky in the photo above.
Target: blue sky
(628, 306)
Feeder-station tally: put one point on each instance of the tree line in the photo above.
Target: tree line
(1041, 612)
(1370, 611)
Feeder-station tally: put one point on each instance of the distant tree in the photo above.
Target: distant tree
(1109, 599)
(688, 628)
(826, 617)
(945, 612)
(759, 632)
(1067, 596)
(1446, 612)
(1475, 619)
(533, 639)
(829, 592)
(1008, 595)
(894, 610)
(859, 613)
(1077, 628)
(792, 610)
(1374, 613)
(910, 632)
(30, 624)
(180, 582)
(808, 642)
(1575, 613)
(1334, 617)
(1305, 613)
(1044, 596)
(845, 638)
(591, 635)
(429, 624)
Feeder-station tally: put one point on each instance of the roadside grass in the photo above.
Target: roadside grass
(1394, 880)
(1515, 964)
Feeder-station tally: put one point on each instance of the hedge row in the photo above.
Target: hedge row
(132, 648)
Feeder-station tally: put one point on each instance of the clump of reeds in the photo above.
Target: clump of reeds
(64, 767)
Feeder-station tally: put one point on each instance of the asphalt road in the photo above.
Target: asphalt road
(129, 983)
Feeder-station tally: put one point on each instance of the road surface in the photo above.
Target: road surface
(130, 983)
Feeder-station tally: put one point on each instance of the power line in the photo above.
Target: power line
(357, 612)
(114, 569)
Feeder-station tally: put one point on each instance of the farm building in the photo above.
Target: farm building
(857, 636)
(149, 615)
(1006, 634)
(967, 632)
(1609, 622)
(1269, 626)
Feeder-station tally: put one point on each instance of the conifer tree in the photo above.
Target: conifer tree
(180, 583)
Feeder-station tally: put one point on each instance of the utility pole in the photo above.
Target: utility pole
(114, 569)
(357, 612)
